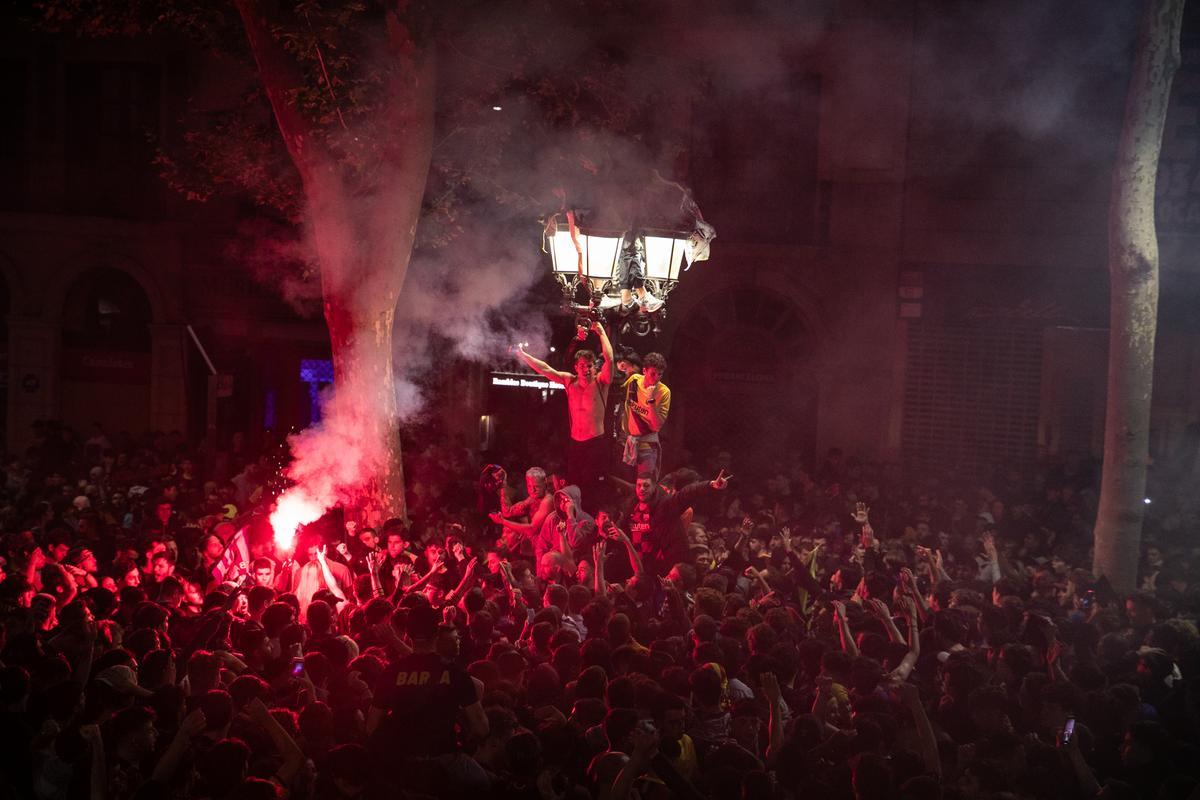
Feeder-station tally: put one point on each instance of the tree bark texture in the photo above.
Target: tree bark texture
(363, 240)
(1133, 277)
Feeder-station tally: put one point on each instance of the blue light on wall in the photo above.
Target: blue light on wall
(317, 373)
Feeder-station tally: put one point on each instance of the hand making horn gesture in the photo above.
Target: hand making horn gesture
(721, 481)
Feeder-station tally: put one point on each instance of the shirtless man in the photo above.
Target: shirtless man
(587, 399)
(537, 505)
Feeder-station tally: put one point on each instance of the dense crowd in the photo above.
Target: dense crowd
(733, 630)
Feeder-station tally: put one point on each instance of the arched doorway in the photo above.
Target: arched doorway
(106, 353)
(741, 371)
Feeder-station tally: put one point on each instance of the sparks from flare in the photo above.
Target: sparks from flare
(294, 509)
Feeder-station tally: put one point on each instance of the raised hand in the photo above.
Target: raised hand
(770, 687)
(321, 553)
(989, 544)
(721, 481)
(861, 512)
(868, 540)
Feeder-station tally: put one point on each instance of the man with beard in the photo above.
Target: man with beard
(653, 521)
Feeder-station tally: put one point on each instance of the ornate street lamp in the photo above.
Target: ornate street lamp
(581, 255)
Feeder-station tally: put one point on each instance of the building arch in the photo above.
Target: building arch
(105, 321)
(106, 308)
(802, 298)
(744, 364)
(162, 308)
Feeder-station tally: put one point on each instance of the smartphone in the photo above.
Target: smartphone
(1068, 730)
(297, 666)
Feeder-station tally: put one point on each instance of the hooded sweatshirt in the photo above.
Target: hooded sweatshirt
(580, 532)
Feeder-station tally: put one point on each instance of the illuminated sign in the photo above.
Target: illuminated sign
(512, 380)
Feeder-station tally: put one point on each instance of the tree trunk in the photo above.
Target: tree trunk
(1133, 276)
(363, 242)
(364, 386)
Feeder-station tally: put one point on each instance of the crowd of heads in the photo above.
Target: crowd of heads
(840, 629)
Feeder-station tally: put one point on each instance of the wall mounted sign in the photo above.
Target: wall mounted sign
(516, 380)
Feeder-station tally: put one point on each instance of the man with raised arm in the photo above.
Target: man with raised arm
(587, 399)
(517, 536)
(653, 521)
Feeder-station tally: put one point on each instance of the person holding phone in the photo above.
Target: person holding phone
(647, 405)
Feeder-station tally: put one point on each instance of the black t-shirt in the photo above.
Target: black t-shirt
(422, 694)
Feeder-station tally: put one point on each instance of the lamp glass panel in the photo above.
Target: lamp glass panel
(601, 252)
(562, 251)
(663, 256)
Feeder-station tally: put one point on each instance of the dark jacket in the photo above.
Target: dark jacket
(657, 531)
